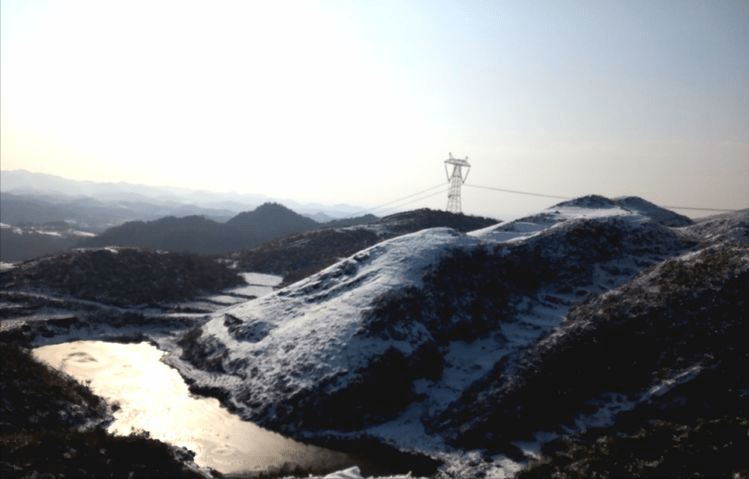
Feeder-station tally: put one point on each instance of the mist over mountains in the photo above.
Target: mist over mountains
(42, 213)
(26, 183)
(161, 201)
(35, 221)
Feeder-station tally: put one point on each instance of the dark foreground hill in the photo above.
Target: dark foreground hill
(121, 276)
(672, 341)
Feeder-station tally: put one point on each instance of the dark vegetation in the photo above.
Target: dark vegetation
(52, 426)
(380, 390)
(681, 314)
(190, 233)
(416, 220)
(123, 276)
(695, 429)
(672, 341)
(697, 438)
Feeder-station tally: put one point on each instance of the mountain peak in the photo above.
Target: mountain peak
(272, 218)
(269, 210)
(272, 207)
(588, 201)
(629, 204)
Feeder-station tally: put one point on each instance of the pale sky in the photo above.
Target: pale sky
(360, 102)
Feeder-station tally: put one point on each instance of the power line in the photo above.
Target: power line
(441, 192)
(398, 200)
(503, 190)
(697, 209)
(542, 195)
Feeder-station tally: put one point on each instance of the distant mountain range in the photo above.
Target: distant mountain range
(194, 233)
(22, 182)
(127, 202)
(41, 214)
(198, 234)
(91, 214)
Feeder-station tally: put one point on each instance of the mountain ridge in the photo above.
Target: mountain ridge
(197, 234)
(403, 340)
(564, 342)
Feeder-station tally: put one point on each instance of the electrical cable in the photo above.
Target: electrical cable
(698, 209)
(395, 201)
(398, 200)
(503, 190)
(441, 192)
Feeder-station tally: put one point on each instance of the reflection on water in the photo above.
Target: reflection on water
(153, 397)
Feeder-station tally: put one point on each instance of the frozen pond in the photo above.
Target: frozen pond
(154, 397)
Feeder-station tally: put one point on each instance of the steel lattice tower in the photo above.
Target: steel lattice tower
(456, 179)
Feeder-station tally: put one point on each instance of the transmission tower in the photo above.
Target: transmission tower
(456, 179)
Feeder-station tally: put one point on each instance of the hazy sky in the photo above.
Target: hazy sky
(361, 101)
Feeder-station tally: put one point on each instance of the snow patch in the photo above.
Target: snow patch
(669, 383)
(6, 266)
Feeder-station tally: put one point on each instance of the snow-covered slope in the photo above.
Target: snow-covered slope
(586, 207)
(399, 330)
(285, 346)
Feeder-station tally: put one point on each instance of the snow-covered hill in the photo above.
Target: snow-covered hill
(399, 340)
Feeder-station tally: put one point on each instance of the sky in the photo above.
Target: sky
(361, 102)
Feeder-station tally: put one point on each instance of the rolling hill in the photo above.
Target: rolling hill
(592, 312)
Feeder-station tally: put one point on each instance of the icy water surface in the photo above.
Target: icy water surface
(153, 397)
